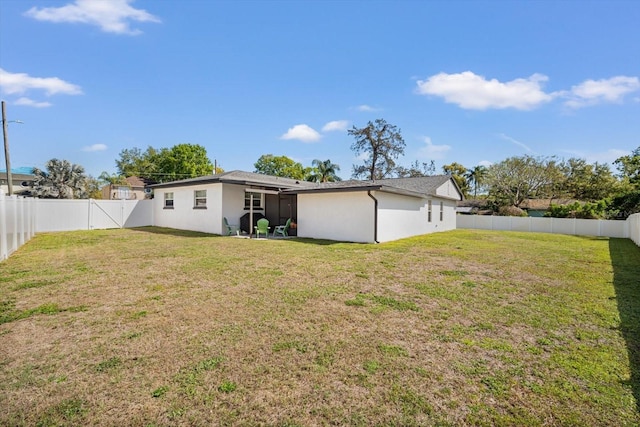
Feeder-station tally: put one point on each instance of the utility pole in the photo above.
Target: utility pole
(6, 149)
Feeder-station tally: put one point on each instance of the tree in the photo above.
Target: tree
(416, 170)
(324, 171)
(106, 178)
(383, 144)
(588, 182)
(517, 179)
(181, 161)
(282, 166)
(458, 172)
(475, 178)
(629, 167)
(94, 186)
(135, 162)
(60, 180)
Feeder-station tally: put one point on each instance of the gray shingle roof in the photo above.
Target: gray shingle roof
(416, 187)
(240, 178)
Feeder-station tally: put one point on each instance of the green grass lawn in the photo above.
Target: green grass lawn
(158, 327)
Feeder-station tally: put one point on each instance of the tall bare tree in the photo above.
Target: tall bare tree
(382, 143)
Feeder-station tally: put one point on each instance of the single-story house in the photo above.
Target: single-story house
(134, 188)
(354, 211)
(21, 180)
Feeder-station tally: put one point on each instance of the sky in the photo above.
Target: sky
(472, 82)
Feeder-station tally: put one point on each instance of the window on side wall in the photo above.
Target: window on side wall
(258, 200)
(168, 200)
(429, 208)
(200, 199)
(441, 211)
(122, 193)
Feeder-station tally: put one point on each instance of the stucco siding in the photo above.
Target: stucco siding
(183, 216)
(233, 204)
(344, 216)
(401, 216)
(448, 190)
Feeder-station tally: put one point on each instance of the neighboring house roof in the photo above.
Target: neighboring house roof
(426, 186)
(137, 182)
(240, 178)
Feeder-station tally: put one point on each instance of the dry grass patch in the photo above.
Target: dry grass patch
(162, 327)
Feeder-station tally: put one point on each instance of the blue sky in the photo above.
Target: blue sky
(471, 82)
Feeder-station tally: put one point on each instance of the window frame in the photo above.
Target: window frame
(169, 197)
(247, 200)
(200, 201)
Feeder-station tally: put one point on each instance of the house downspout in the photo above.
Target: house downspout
(375, 216)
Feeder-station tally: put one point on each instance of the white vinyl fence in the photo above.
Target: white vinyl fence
(21, 218)
(634, 228)
(90, 214)
(583, 227)
(17, 223)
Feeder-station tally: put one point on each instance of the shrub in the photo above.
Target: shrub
(511, 211)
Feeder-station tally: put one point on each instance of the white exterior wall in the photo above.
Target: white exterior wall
(233, 204)
(346, 216)
(349, 216)
(448, 190)
(183, 216)
(401, 216)
(223, 200)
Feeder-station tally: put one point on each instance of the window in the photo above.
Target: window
(168, 200)
(429, 211)
(441, 211)
(122, 193)
(200, 199)
(258, 200)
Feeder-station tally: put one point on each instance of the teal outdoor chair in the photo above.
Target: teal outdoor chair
(262, 227)
(282, 229)
(231, 229)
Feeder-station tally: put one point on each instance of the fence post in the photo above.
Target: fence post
(4, 252)
(14, 243)
(20, 220)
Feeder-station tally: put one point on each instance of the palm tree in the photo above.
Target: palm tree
(324, 171)
(60, 180)
(475, 176)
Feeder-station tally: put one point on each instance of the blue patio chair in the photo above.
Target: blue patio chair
(231, 229)
(262, 227)
(282, 229)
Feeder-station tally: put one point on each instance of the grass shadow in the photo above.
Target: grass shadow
(173, 232)
(625, 259)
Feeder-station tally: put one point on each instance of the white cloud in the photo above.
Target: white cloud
(474, 92)
(31, 103)
(516, 142)
(592, 92)
(112, 16)
(336, 125)
(367, 108)
(19, 83)
(95, 147)
(302, 133)
(432, 151)
(485, 163)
